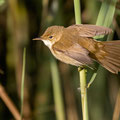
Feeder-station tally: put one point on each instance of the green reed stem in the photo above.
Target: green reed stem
(82, 72)
(59, 104)
(77, 11)
(83, 88)
(22, 84)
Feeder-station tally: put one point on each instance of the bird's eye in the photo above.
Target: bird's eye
(50, 37)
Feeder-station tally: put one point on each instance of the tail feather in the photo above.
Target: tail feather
(116, 42)
(112, 68)
(114, 65)
(111, 60)
(108, 66)
(113, 53)
(115, 48)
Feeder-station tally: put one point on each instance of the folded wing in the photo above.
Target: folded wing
(73, 50)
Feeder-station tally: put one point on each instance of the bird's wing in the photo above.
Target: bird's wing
(73, 50)
(85, 30)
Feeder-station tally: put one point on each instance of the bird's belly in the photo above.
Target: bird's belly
(62, 57)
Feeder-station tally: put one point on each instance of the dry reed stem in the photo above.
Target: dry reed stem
(9, 103)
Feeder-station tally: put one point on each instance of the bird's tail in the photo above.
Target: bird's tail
(109, 56)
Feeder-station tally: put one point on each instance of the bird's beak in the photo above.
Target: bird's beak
(37, 38)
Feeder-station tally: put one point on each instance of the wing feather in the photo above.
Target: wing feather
(85, 30)
(73, 50)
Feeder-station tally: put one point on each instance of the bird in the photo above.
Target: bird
(76, 45)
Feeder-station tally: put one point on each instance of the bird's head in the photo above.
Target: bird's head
(51, 35)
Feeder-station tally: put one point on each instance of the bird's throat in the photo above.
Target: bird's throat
(47, 43)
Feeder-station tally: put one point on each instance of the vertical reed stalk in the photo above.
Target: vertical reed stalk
(83, 89)
(22, 84)
(59, 105)
(82, 72)
(77, 11)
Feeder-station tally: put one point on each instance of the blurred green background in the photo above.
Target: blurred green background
(23, 20)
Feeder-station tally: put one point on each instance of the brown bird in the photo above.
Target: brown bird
(75, 45)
